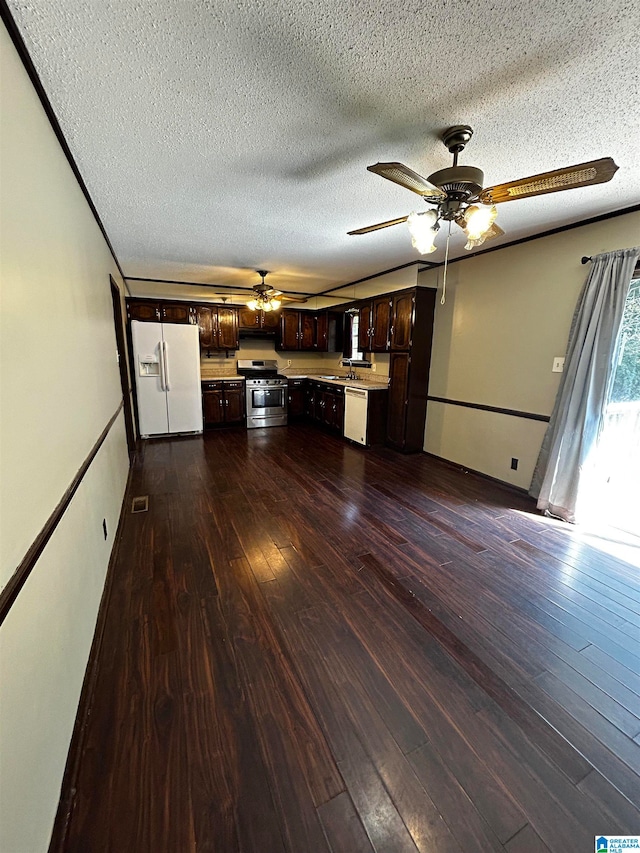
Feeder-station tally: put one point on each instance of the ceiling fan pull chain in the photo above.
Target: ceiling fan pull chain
(443, 298)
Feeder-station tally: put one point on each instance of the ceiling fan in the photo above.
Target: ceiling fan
(268, 299)
(458, 195)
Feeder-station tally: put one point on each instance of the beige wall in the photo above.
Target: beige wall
(59, 387)
(507, 315)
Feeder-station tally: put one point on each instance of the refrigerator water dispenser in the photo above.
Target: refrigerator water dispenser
(149, 365)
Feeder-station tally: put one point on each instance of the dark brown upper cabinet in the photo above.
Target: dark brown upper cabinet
(266, 320)
(157, 311)
(143, 310)
(177, 312)
(218, 327)
(380, 323)
(364, 327)
(309, 331)
(402, 319)
(290, 330)
(374, 319)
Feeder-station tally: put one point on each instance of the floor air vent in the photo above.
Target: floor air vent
(140, 504)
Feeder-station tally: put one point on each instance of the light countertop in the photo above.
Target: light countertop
(345, 383)
(231, 376)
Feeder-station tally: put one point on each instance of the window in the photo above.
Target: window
(355, 353)
(351, 351)
(611, 494)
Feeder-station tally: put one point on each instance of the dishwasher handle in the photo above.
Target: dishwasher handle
(355, 392)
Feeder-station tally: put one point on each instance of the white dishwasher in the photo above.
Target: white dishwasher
(356, 403)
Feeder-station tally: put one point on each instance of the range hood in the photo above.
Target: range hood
(269, 334)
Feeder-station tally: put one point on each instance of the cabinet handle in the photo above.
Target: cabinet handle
(220, 401)
(226, 402)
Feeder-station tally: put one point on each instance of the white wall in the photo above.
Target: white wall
(59, 387)
(507, 315)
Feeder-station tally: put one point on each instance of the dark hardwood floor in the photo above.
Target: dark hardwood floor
(310, 647)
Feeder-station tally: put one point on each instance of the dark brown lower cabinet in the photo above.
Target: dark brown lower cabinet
(296, 398)
(398, 399)
(332, 408)
(324, 404)
(223, 403)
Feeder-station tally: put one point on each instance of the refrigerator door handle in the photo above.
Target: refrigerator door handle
(163, 382)
(165, 359)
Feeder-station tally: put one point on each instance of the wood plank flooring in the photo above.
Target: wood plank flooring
(310, 647)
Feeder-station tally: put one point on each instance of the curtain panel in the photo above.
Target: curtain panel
(577, 415)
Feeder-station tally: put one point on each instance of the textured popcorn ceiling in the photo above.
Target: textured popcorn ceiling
(220, 137)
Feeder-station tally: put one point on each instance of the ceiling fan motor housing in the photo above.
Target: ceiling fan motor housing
(462, 185)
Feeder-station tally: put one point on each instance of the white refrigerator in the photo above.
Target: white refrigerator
(167, 370)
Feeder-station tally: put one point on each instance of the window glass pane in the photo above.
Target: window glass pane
(356, 355)
(626, 383)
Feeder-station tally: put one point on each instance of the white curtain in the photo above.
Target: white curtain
(591, 355)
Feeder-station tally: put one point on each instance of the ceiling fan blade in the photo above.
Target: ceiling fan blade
(379, 225)
(407, 178)
(580, 175)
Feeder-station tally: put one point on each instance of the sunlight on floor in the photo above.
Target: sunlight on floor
(610, 540)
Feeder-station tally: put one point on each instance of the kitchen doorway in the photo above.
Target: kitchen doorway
(122, 366)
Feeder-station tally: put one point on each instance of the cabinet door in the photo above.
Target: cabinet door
(233, 405)
(228, 328)
(364, 328)
(270, 320)
(296, 398)
(337, 414)
(206, 325)
(326, 407)
(321, 333)
(289, 334)
(398, 399)
(307, 330)
(402, 321)
(146, 312)
(249, 319)
(176, 312)
(309, 401)
(213, 407)
(380, 322)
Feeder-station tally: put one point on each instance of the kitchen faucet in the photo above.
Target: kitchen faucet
(351, 374)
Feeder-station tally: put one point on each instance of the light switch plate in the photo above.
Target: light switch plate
(558, 364)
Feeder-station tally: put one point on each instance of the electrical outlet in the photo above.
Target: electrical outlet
(104, 527)
(514, 463)
(558, 364)
(373, 368)
(288, 362)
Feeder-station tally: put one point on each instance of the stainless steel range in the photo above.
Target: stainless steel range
(266, 393)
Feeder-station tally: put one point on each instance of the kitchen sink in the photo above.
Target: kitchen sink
(329, 377)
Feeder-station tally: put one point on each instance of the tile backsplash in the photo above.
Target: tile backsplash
(308, 363)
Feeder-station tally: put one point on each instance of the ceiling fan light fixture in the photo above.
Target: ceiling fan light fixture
(266, 298)
(423, 228)
(478, 219)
